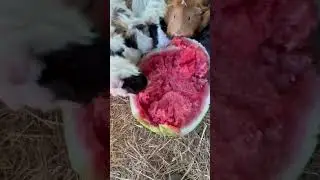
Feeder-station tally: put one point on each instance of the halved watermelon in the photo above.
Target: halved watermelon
(266, 91)
(177, 97)
(87, 138)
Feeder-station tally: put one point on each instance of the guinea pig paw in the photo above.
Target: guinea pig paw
(116, 89)
(132, 54)
(118, 92)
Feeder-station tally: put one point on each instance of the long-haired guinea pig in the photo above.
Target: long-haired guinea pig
(48, 52)
(130, 38)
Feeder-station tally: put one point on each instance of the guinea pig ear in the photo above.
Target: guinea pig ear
(198, 11)
(174, 2)
(204, 2)
(170, 6)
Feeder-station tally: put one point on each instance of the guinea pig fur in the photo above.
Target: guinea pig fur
(187, 17)
(131, 36)
(32, 32)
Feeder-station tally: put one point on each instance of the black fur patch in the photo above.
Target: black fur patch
(117, 53)
(135, 84)
(78, 72)
(153, 31)
(131, 42)
(163, 25)
(141, 27)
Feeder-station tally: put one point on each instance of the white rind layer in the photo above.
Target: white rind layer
(78, 156)
(187, 129)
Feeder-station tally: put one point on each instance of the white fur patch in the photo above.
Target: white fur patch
(116, 43)
(145, 43)
(40, 26)
(133, 54)
(163, 40)
(149, 10)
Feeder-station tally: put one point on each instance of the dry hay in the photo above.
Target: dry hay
(33, 148)
(312, 170)
(137, 153)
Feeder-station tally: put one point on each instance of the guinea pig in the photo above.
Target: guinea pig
(186, 18)
(130, 38)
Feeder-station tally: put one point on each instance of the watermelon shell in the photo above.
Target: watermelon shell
(164, 129)
(168, 130)
(87, 154)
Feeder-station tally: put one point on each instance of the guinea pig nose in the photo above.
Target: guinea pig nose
(178, 33)
(135, 84)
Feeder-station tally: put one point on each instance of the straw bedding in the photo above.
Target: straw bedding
(33, 148)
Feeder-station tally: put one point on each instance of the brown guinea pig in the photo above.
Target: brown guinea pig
(186, 18)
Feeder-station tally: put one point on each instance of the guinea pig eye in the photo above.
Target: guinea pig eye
(140, 27)
(189, 18)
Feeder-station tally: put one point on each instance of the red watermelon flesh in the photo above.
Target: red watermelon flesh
(263, 86)
(178, 83)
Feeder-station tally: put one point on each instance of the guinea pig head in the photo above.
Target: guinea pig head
(183, 20)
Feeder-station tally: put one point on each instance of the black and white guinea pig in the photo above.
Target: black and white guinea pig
(126, 77)
(130, 38)
(50, 52)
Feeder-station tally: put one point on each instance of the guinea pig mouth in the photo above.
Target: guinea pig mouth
(178, 33)
(135, 84)
(170, 36)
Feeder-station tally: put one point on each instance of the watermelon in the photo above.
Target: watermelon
(87, 138)
(177, 96)
(266, 92)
